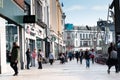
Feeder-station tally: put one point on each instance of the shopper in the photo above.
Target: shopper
(87, 58)
(51, 58)
(33, 57)
(81, 56)
(112, 58)
(39, 59)
(28, 57)
(14, 58)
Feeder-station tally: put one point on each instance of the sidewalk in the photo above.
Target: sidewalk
(67, 71)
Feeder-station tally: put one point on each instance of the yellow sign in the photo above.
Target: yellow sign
(1, 3)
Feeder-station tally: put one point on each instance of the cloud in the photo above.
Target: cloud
(75, 7)
(99, 8)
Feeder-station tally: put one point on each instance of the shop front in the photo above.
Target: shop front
(9, 33)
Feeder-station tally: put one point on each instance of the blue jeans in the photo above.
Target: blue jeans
(87, 63)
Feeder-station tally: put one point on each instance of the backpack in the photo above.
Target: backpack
(113, 54)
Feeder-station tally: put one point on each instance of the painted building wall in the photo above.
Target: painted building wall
(3, 46)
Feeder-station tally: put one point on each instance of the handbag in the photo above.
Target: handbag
(113, 54)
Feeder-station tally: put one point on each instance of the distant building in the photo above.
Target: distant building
(81, 38)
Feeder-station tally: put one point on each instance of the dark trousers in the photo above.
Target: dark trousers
(28, 62)
(51, 61)
(87, 63)
(14, 67)
(81, 60)
(39, 65)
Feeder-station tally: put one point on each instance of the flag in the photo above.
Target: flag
(62, 4)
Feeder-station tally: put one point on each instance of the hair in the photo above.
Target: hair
(39, 49)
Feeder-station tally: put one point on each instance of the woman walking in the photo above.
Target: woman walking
(87, 58)
(39, 58)
(14, 58)
(28, 57)
(112, 58)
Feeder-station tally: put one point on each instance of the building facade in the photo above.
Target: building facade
(82, 38)
(56, 27)
(12, 30)
(34, 24)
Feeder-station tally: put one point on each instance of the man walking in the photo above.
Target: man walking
(14, 58)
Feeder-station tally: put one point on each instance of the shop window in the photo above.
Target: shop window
(11, 36)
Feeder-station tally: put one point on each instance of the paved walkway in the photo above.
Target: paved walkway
(68, 71)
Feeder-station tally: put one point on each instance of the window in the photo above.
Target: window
(80, 43)
(85, 43)
(38, 11)
(11, 36)
(80, 36)
(83, 36)
(27, 8)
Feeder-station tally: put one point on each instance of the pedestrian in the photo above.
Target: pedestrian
(51, 58)
(92, 56)
(28, 57)
(112, 58)
(77, 56)
(39, 59)
(62, 58)
(70, 55)
(33, 57)
(81, 56)
(14, 58)
(87, 58)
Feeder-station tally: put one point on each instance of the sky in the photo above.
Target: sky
(85, 12)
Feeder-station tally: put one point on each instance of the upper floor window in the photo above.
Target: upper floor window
(38, 10)
(27, 8)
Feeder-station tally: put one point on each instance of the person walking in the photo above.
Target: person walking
(112, 58)
(92, 56)
(33, 57)
(87, 58)
(39, 59)
(51, 58)
(28, 57)
(14, 58)
(77, 56)
(81, 56)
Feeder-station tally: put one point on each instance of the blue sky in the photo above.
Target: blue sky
(85, 12)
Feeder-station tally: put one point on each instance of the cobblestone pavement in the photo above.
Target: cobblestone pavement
(68, 71)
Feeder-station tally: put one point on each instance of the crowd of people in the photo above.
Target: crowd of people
(88, 55)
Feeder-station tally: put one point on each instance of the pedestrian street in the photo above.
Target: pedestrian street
(68, 71)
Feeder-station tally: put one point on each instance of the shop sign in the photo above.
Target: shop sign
(30, 31)
(1, 3)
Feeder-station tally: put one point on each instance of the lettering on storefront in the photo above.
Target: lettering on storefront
(30, 31)
(39, 32)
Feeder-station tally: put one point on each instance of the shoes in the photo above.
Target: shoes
(108, 71)
(117, 71)
(28, 68)
(15, 74)
(39, 68)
